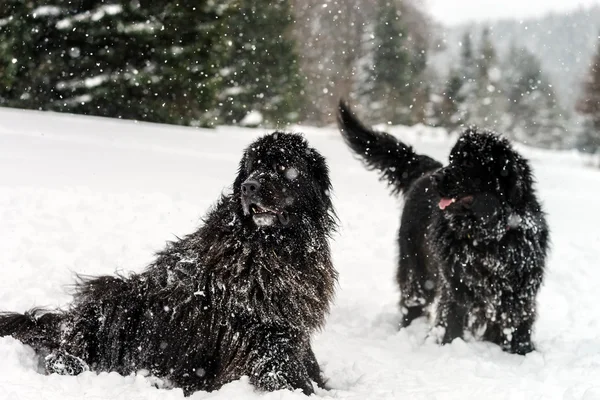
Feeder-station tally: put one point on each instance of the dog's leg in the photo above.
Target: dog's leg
(513, 325)
(520, 342)
(451, 314)
(273, 360)
(516, 315)
(277, 365)
(523, 313)
(517, 327)
(514, 339)
(416, 288)
(313, 369)
(62, 363)
(409, 313)
(37, 328)
(455, 315)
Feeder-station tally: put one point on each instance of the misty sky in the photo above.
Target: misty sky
(457, 11)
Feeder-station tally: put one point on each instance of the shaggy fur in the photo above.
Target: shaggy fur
(473, 237)
(240, 296)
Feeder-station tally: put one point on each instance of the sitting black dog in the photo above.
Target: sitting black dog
(240, 296)
(473, 237)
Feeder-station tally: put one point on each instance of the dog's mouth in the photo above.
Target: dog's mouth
(265, 216)
(446, 202)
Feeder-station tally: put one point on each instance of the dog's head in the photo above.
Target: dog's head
(282, 182)
(485, 179)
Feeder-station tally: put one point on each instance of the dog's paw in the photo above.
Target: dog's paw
(521, 348)
(443, 335)
(63, 363)
(436, 335)
(278, 380)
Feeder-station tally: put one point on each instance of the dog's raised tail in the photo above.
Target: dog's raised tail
(37, 327)
(397, 162)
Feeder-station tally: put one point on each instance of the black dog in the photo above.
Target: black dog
(473, 237)
(240, 296)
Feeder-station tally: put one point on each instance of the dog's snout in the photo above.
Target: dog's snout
(250, 187)
(436, 178)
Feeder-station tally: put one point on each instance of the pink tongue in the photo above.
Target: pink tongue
(445, 203)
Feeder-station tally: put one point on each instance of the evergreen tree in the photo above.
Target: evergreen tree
(550, 129)
(476, 88)
(391, 72)
(146, 60)
(535, 115)
(26, 51)
(419, 86)
(461, 92)
(488, 105)
(487, 57)
(262, 74)
(467, 59)
(448, 110)
(589, 106)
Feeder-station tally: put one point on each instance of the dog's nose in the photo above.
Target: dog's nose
(436, 179)
(250, 187)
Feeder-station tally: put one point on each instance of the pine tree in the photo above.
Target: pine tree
(452, 107)
(449, 115)
(487, 57)
(550, 125)
(26, 50)
(461, 92)
(467, 59)
(146, 60)
(262, 73)
(391, 71)
(589, 106)
(535, 115)
(420, 86)
(488, 106)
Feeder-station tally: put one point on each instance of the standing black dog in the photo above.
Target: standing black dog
(473, 237)
(240, 296)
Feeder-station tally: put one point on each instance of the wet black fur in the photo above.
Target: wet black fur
(477, 265)
(231, 299)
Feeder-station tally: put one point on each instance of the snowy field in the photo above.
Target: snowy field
(97, 196)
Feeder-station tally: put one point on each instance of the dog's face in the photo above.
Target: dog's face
(484, 181)
(282, 181)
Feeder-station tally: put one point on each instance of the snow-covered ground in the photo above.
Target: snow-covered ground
(96, 196)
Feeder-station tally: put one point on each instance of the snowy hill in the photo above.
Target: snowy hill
(95, 195)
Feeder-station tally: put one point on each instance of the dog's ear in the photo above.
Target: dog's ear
(517, 179)
(320, 172)
(242, 174)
